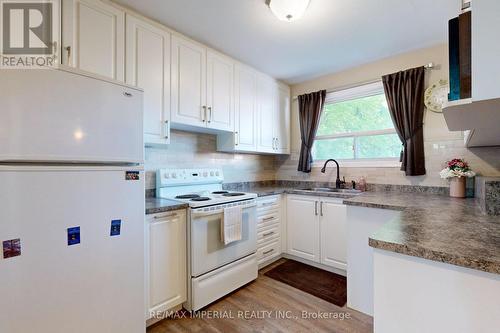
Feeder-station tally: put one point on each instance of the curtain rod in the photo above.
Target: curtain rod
(429, 66)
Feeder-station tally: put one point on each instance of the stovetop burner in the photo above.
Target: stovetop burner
(235, 194)
(187, 196)
(200, 199)
(220, 192)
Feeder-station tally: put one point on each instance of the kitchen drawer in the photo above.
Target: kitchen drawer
(269, 251)
(268, 219)
(268, 203)
(268, 234)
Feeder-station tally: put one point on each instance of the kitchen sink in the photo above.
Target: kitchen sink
(331, 190)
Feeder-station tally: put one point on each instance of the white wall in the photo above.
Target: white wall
(440, 144)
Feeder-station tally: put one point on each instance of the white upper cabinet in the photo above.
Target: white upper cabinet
(246, 109)
(282, 124)
(148, 67)
(93, 35)
(485, 52)
(267, 106)
(262, 115)
(202, 87)
(220, 92)
(244, 137)
(189, 94)
(273, 100)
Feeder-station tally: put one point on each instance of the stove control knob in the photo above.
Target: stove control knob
(217, 173)
(205, 174)
(211, 173)
(174, 175)
(166, 176)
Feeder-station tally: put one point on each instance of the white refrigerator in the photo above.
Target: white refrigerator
(71, 204)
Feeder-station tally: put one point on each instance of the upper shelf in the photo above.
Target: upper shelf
(481, 119)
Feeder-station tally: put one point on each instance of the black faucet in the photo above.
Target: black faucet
(338, 182)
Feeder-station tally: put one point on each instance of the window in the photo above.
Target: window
(356, 126)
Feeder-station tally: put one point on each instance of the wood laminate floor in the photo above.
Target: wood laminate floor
(267, 305)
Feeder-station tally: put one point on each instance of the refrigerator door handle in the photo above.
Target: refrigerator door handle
(166, 129)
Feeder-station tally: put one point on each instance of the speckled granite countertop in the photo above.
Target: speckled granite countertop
(263, 191)
(158, 205)
(436, 227)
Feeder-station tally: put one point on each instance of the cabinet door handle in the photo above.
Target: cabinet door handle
(268, 234)
(321, 208)
(268, 219)
(167, 129)
(236, 138)
(316, 208)
(203, 113)
(268, 251)
(68, 55)
(209, 114)
(54, 45)
(277, 143)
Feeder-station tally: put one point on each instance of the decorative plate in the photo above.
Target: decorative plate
(436, 95)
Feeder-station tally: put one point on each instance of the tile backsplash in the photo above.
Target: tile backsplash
(484, 161)
(195, 150)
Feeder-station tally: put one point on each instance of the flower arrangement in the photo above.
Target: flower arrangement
(456, 168)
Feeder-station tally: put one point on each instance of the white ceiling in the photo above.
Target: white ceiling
(332, 36)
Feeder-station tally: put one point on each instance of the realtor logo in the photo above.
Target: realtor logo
(28, 38)
(27, 28)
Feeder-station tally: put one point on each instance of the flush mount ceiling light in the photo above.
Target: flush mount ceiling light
(288, 10)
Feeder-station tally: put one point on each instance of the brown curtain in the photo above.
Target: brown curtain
(310, 109)
(405, 96)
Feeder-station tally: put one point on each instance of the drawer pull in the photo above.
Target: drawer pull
(165, 216)
(268, 234)
(268, 219)
(268, 204)
(268, 251)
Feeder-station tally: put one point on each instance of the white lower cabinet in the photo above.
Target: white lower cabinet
(268, 229)
(333, 233)
(303, 227)
(316, 229)
(166, 260)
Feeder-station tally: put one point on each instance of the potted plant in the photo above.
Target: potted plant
(456, 171)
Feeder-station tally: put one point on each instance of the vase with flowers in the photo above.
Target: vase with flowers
(457, 170)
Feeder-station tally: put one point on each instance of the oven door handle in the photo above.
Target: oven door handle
(195, 214)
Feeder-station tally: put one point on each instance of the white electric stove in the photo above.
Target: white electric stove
(214, 268)
(197, 187)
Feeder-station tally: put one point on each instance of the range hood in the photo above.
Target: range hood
(480, 120)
